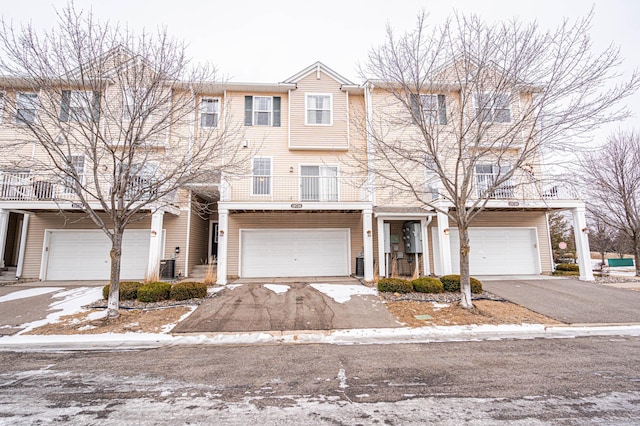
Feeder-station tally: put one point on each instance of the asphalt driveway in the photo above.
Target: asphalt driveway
(571, 301)
(292, 306)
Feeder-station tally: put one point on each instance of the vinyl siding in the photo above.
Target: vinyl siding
(280, 220)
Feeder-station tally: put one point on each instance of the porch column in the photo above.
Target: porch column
(367, 231)
(425, 247)
(155, 245)
(223, 236)
(382, 258)
(23, 244)
(444, 243)
(582, 243)
(4, 225)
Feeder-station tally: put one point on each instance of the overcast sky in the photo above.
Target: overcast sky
(268, 41)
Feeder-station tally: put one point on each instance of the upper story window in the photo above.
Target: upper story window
(318, 183)
(492, 108)
(318, 108)
(209, 112)
(261, 182)
(1, 105)
(136, 102)
(79, 105)
(432, 109)
(26, 107)
(69, 182)
(262, 111)
(486, 176)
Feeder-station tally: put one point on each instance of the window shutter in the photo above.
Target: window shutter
(248, 110)
(64, 105)
(276, 111)
(415, 108)
(442, 109)
(96, 107)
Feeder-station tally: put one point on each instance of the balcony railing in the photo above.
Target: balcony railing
(484, 181)
(295, 189)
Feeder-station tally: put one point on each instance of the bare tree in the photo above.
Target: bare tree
(506, 92)
(560, 230)
(601, 237)
(112, 114)
(611, 177)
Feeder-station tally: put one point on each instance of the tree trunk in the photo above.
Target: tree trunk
(465, 282)
(636, 256)
(113, 305)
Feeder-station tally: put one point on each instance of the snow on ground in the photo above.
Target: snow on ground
(212, 290)
(23, 294)
(277, 288)
(72, 302)
(342, 293)
(168, 327)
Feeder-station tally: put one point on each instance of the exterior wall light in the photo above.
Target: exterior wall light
(446, 231)
(290, 169)
(368, 232)
(585, 230)
(221, 233)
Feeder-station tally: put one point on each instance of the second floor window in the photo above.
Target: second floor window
(318, 109)
(209, 112)
(492, 108)
(26, 107)
(318, 183)
(78, 105)
(262, 111)
(69, 182)
(261, 182)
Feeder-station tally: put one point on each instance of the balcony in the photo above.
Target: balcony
(320, 189)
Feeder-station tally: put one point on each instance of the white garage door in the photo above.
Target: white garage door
(495, 251)
(294, 252)
(84, 255)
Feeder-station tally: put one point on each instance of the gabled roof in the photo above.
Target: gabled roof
(317, 67)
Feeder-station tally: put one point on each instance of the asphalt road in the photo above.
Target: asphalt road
(561, 381)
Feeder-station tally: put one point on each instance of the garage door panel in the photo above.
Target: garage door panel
(508, 251)
(84, 255)
(294, 252)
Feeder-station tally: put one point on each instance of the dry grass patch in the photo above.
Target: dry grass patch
(485, 312)
(129, 321)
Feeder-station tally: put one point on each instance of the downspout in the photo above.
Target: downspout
(192, 131)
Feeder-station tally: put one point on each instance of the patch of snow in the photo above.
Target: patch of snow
(72, 303)
(97, 315)
(342, 293)
(437, 306)
(23, 294)
(86, 327)
(342, 377)
(212, 290)
(168, 327)
(363, 395)
(277, 288)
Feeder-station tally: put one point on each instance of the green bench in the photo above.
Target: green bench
(620, 262)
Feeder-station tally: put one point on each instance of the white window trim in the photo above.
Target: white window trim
(492, 110)
(320, 165)
(35, 113)
(306, 109)
(254, 110)
(270, 175)
(213, 98)
(68, 190)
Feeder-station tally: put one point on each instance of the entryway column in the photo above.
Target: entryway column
(581, 233)
(444, 243)
(4, 226)
(223, 236)
(425, 247)
(23, 244)
(367, 231)
(155, 245)
(382, 258)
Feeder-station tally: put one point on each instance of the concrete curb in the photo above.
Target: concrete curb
(137, 341)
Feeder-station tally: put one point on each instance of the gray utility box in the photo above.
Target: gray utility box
(412, 236)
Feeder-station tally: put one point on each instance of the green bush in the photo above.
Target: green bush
(570, 267)
(154, 292)
(451, 283)
(128, 290)
(188, 290)
(567, 273)
(395, 285)
(427, 285)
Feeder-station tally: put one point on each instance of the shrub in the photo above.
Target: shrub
(567, 273)
(188, 290)
(427, 285)
(154, 292)
(128, 290)
(570, 267)
(451, 283)
(395, 285)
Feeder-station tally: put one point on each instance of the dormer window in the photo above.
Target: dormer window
(26, 107)
(492, 107)
(318, 109)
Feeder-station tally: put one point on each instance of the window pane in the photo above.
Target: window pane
(262, 118)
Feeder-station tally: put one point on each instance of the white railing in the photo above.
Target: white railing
(295, 189)
(485, 181)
